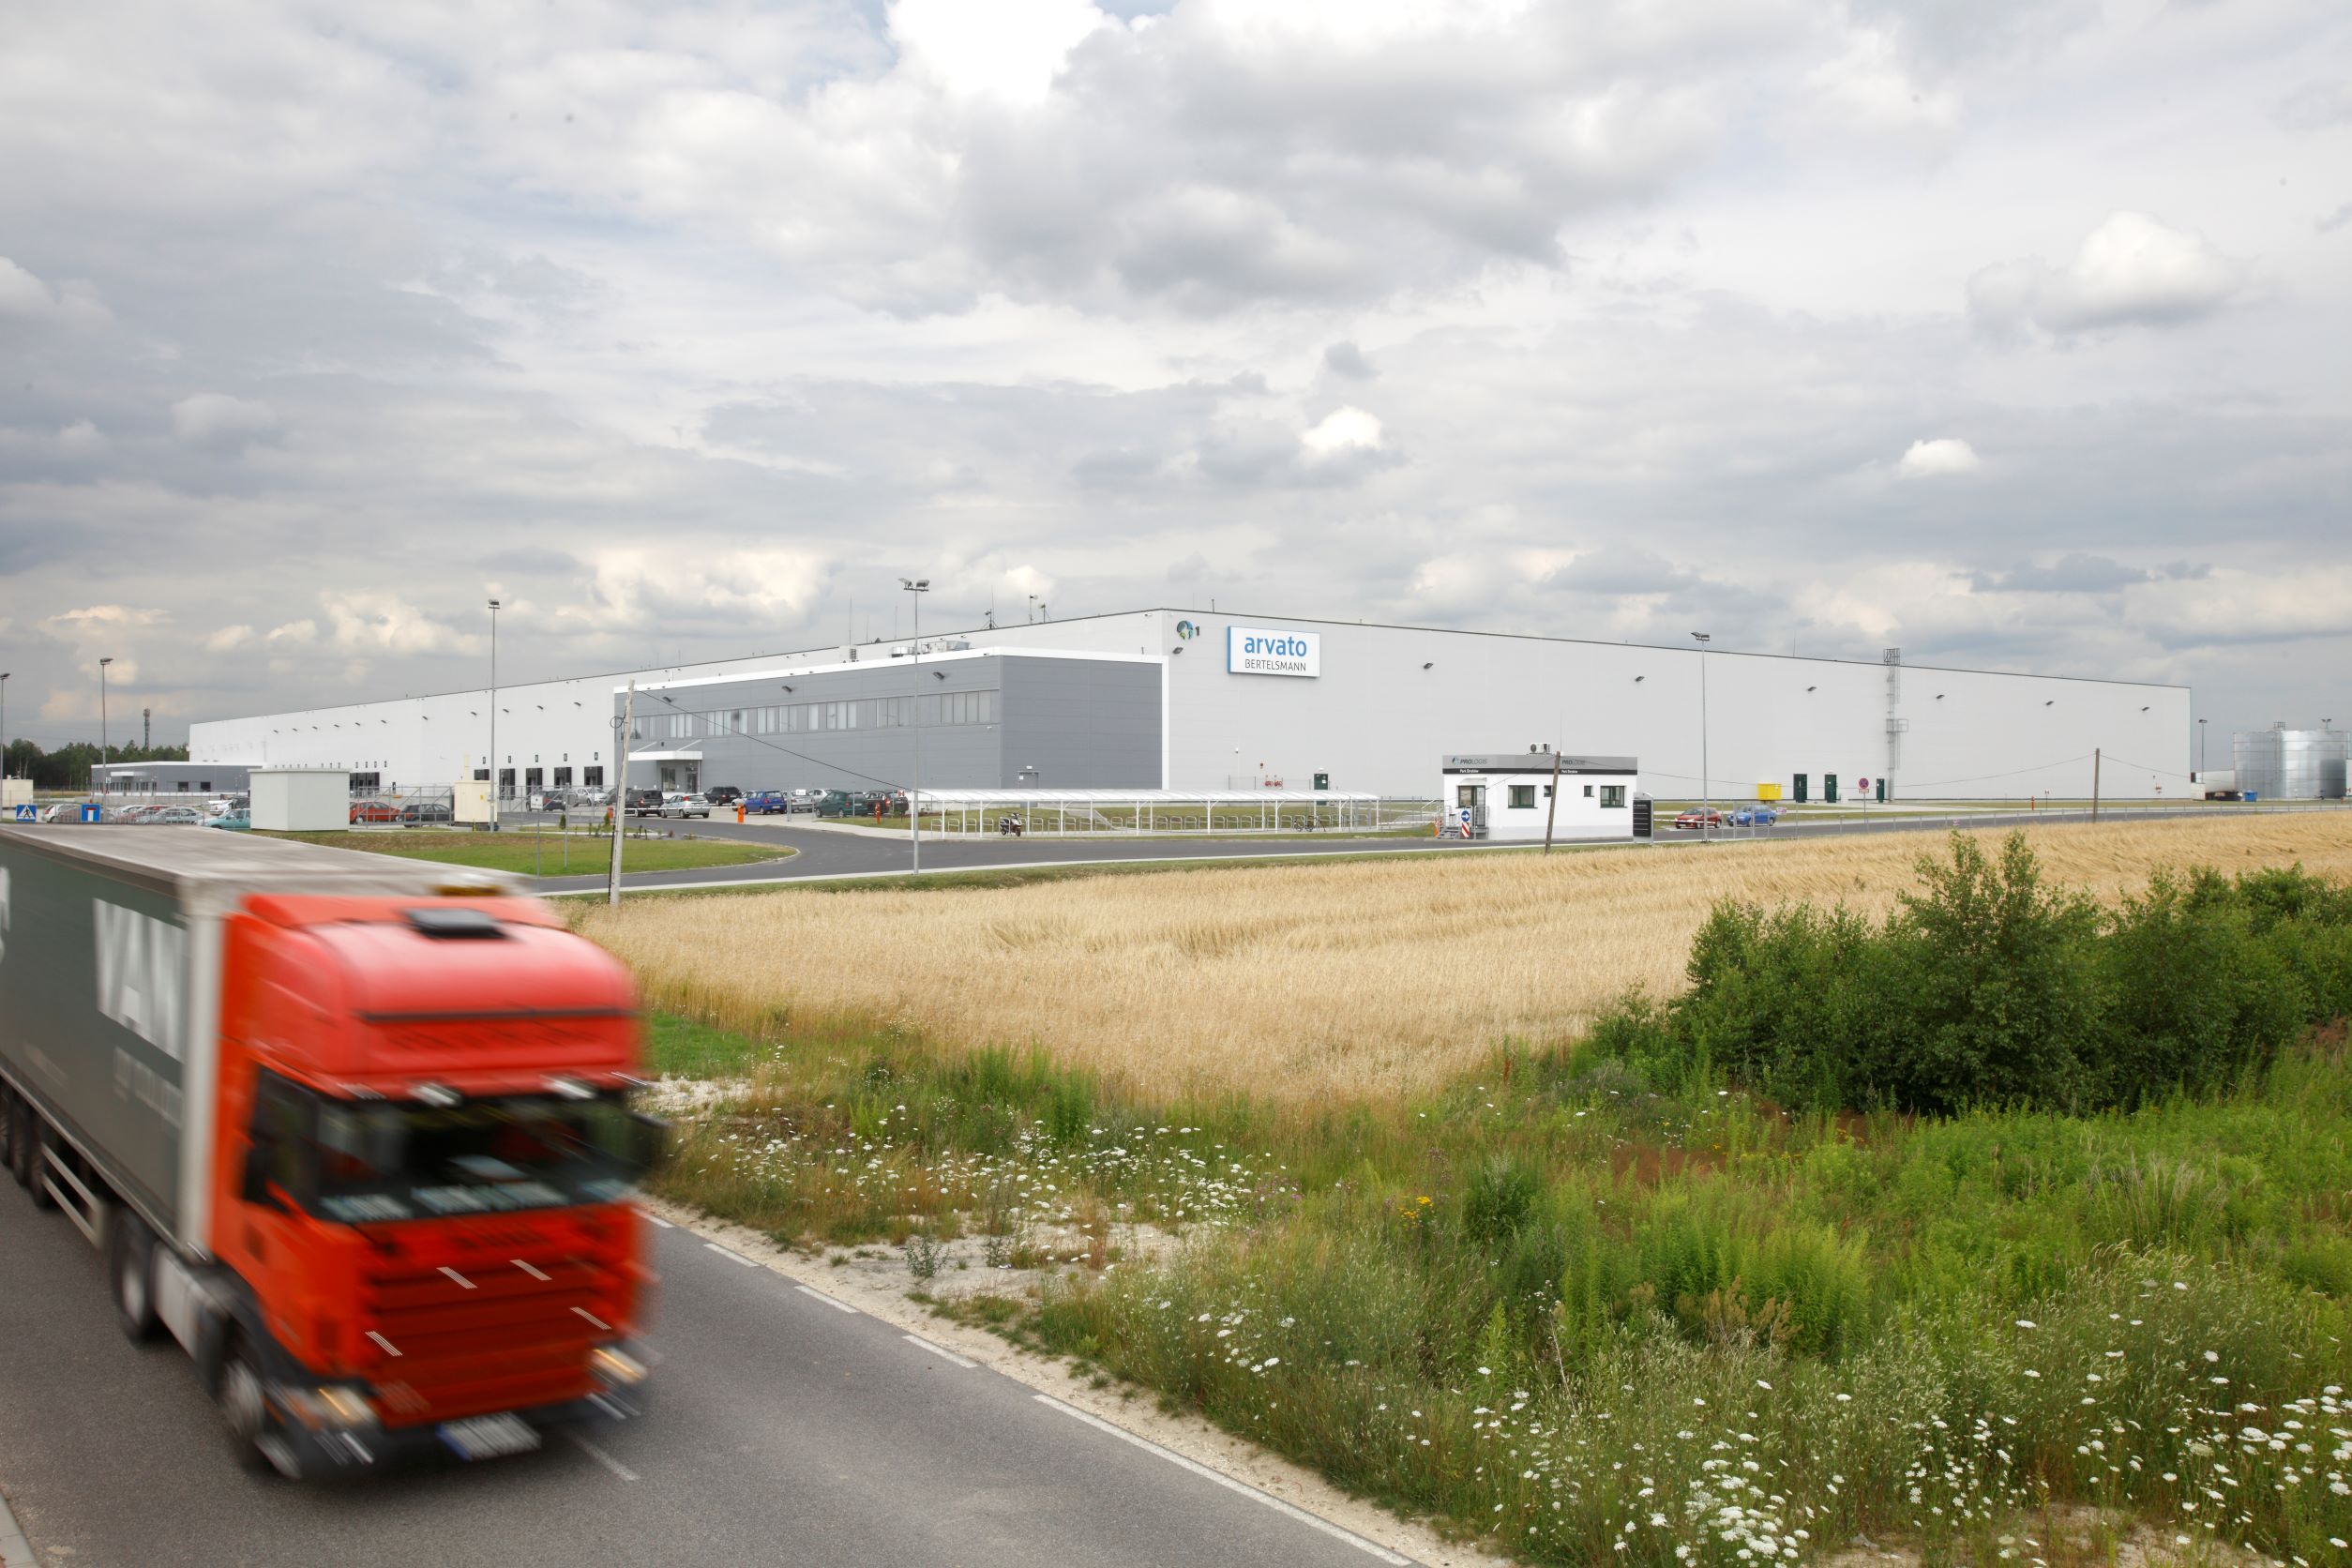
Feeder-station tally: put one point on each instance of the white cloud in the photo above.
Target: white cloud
(81, 439)
(2318, 105)
(384, 623)
(100, 619)
(1936, 458)
(1868, 87)
(228, 638)
(22, 294)
(1010, 49)
(294, 633)
(216, 418)
(638, 586)
(1343, 430)
(2130, 270)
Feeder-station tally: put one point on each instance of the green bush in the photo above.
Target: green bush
(1987, 988)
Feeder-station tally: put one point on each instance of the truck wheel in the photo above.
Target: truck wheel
(131, 1268)
(242, 1406)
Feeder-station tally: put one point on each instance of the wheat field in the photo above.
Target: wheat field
(1338, 981)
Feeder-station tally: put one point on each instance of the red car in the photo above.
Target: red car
(1700, 818)
(375, 811)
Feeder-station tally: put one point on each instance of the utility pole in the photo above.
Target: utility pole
(621, 790)
(916, 587)
(494, 716)
(2094, 785)
(4, 724)
(146, 728)
(1706, 789)
(103, 664)
(1552, 807)
(2200, 747)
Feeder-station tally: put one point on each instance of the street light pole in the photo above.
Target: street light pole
(494, 716)
(1706, 789)
(621, 727)
(4, 724)
(103, 664)
(2200, 749)
(916, 587)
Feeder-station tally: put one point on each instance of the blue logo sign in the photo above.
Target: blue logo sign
(1272, 651)
(1186, 631)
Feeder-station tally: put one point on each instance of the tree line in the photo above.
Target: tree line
(68, 766)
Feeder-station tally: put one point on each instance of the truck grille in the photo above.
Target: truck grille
(496, 1317)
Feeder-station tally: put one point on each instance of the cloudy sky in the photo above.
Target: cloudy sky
(2013, 332)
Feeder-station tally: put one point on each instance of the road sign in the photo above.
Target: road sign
(24, 812)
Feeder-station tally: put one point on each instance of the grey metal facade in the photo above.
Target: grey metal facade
(2279, 763)
(986, 720)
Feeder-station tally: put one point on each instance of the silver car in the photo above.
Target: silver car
(675, 805)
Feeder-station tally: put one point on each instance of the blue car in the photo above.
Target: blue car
(764, 803)
(1755, 816)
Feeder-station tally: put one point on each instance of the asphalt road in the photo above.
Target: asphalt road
(784, 1430)
(833, 852)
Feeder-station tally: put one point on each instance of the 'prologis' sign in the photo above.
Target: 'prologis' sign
(1268, 651)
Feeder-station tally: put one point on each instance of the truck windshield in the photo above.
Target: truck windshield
(394, 1160)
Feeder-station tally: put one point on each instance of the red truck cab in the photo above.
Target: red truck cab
(418, 1195)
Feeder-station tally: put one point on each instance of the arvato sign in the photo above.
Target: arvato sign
(1270, 650)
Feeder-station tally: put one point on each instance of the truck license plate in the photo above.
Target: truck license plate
(490, 1437)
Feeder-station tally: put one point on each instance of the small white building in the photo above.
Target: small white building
(300, 800)
(1509, 796)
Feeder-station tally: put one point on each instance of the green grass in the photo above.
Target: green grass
(1563, 1309)
(1015, 876)
(516, 850)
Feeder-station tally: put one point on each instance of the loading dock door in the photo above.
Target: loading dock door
(1798, 794)
(1829, 788)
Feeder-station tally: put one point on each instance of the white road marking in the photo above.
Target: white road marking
(593, 1317)
(940, 1351)
(459, 1277)
(1301, 1515)
(819, 1295)
(738, 1257)
(528, 1269)
(601, 1456)
(389, 1348)
(658, 1220)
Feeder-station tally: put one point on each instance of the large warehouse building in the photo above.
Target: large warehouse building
(1181, 700)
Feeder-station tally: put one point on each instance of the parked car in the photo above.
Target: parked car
(675, 805)
(1700, 816)
(1755, 816)
(722, 794)
(763, 803)
(644, 803)
(176, 816)
(425, 811)
(236, 822)
(838, 803)
(552, 800)
(375, 811)
(803, 800)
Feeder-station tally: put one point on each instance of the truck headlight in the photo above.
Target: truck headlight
(331, 1405)
(617, 1367)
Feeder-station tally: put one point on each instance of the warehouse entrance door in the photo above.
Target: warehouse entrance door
(1469, 810)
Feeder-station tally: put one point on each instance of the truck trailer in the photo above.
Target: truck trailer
(353, 1130)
